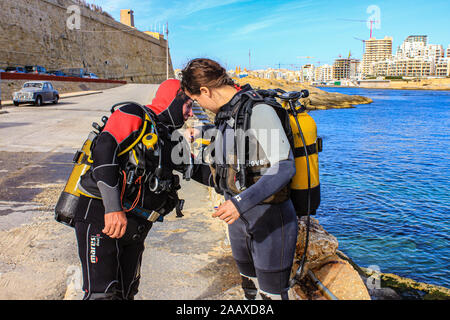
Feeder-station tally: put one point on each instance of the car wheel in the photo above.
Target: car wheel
(16, 103)
(56, 99)
(38, 101)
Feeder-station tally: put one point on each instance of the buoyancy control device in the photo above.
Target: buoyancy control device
(301, 130)
(133, 174)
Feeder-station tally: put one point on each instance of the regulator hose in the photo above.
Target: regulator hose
(299, 272)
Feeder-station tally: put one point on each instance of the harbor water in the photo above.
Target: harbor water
(385, 176)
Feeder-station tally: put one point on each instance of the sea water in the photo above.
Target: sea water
(385, 176)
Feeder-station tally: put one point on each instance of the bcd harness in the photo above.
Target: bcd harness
(301, 131)
(239, 173)
(136, 173)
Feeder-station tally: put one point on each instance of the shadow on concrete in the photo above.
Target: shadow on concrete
(225, 274)
(13, 124)
(26, 174)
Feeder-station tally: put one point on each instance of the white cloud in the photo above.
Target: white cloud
(181, 9)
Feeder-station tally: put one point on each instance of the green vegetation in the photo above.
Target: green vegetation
(394, 78)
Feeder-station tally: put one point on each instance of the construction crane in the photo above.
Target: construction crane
(363, 42)
(292, 65)
(306, 57)
(371, 23)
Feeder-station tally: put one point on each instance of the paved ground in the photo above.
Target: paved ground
(185, 258)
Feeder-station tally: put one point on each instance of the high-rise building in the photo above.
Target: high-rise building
(448, 51)
(376, 50)
(416, 57)
(411, 49)
(346, 69)
(416, 38)
(435, 51)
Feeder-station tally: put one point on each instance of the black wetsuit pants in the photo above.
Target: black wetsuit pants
(263, 243)
(111, 267)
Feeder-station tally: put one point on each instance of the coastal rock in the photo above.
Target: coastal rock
(337, 274)
(317, 100)
(339, 277)
(321, 244)
(392, 286)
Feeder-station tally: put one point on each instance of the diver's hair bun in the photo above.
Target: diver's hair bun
(204, 72)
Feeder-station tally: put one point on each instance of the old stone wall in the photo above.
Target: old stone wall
(35, 32)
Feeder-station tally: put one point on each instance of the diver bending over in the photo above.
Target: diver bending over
(262, 220)
(111, 240)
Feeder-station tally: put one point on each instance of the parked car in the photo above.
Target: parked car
(15, 70)
(90, 75)
(36, 92)
(58, 73)
(74, 72)
(35, 69)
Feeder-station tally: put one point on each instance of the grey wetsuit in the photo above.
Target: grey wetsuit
(263, 239)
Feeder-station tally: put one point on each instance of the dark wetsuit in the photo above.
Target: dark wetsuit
(111, 266)
(263, 239)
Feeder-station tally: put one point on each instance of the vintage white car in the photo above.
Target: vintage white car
(37, 93)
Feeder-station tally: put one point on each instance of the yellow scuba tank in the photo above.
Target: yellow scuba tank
(68, 200)
(305, 184)
(299, 184)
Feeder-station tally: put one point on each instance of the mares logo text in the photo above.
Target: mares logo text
(93, 244)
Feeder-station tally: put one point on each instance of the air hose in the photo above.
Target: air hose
(152, 117)
(299, 272)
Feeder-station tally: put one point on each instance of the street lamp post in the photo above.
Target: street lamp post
(0, 90)
(167, 50)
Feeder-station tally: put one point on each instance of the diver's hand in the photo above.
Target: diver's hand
(115, 224)
(227, 212)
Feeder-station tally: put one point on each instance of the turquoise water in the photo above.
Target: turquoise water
(385, 175)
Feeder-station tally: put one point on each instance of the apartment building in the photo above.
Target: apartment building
(417, 38)
(346, 69)
(411, 67)
(376, 50)
(323, 73)
(341, 69)
(435, 51)
(443, 67)
(417, 57)
(308, 73)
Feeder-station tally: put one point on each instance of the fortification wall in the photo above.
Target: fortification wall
(35, 32)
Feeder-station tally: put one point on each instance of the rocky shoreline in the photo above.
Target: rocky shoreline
(317, 100)
(348, 281)
(438, 84)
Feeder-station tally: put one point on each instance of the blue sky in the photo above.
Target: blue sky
(281, 31)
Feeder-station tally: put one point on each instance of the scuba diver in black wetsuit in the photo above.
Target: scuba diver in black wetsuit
(126, 179)
(261, 217)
